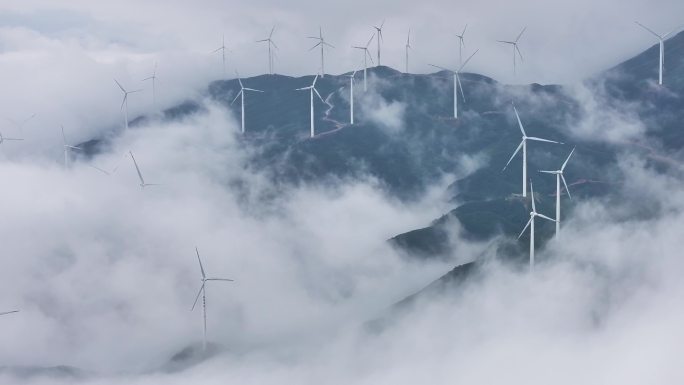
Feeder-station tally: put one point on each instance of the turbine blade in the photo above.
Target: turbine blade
(519, 121)
(319, 95)
(370, 40)
(270, 35)
(120, 86)
(542, 140)
(63, 137)
(545, 217)
(252, 89)
(314, 81)
(518, 51)
(525, 228)
(548, 172)
(236, 96)
(467, 60)
(464, 31)
(513, 156)
(124, 101)
(9, 312)
(566, 185)
(221, 279)
(566, 161)
(197, 298)
(200, 263)
(319, 43)
(649, 30)
(370, 57)
(442, 68)
(520, 34)
(534, 206)
(99, 169)
(136, 168)
(460, 86)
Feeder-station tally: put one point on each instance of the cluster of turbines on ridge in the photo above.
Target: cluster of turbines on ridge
(323, 44)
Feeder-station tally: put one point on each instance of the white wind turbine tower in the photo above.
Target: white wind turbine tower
(3, 138)
(269, 41)
(661, 42)
(154, 84)
(461, 44)
(322, 43)
(380, 39)
(523, 145)
(457, 82)
(530, 224)
(312, 89)
(408, 47)
(9, 312)
(222, 48)
(559, 177)
(366, 55)
(124, 102)
(351, 97)
(242, 100)
(202, 291)
(514, 44)
(67, 148)
(142, 181)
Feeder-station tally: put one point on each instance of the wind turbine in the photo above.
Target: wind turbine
(322, 43)
(523, 145)
(2, 138)
(222, 48)
(514, 43)
(20, 124)
(351, 97)
(366, 55)
(559, 177)
(661, 43)
(408, 47)
(154, 85)
(312, 89)
(457, 82)
(202, 291)
(142, 181)
(67, 148)
(9, 312)
(124, 102)
(379, 34)
(242, 101)
(461, 44)
(269, 41)
(530, 224)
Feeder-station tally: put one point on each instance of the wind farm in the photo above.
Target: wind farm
(377, 235)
